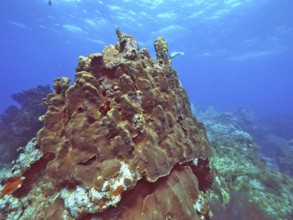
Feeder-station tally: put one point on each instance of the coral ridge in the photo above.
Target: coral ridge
(125, 118)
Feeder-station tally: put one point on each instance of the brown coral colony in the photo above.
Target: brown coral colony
(125, 122)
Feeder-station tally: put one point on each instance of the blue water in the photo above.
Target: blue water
(237, 52)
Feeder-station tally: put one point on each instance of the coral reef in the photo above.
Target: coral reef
(238, 208)
(244, 182)
(285, 158)
(120, 143)
(19, 124)
(274, 132)
(271, 134)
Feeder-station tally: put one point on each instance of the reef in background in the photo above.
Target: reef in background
(18, 125)
(120, 143)
(285, 158)
(247, 185)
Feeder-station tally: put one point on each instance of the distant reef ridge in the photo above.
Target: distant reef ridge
(19, 124)
(248, 184)
(119, 143)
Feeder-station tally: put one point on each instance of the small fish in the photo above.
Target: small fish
(50, 3)
(175, 54)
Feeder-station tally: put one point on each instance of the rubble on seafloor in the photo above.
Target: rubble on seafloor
(119, 143)
(246, 184)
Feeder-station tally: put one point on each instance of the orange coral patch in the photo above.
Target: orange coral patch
(102, 204)
(11, 185)
(118, 191)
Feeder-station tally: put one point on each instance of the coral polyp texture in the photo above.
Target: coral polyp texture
(119, 143)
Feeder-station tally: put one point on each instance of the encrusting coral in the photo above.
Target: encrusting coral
(120, 143)
(12, 184)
